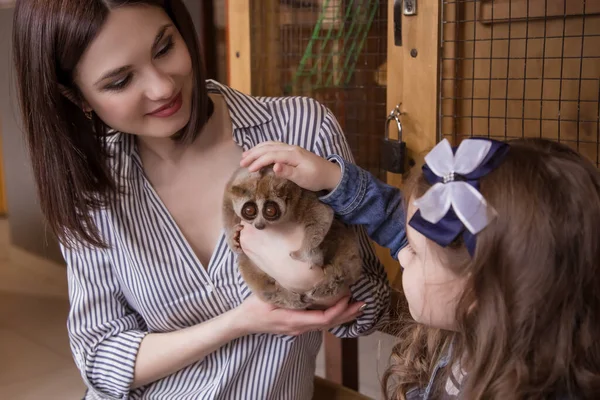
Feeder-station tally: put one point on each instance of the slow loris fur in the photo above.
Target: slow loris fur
(263, 199)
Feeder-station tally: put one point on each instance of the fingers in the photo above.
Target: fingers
(284, 170)
(261, 149)
(266, 144)
(314, 319)
(317, 319)
(287, 157)
(337, 309)
(300, 321)
(353, 311)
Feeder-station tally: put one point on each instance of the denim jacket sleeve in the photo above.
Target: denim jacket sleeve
(361, 199)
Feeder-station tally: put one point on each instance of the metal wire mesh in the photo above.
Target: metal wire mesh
(522, 68)
(331, 50)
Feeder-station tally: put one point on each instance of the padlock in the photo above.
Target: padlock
(393, 152)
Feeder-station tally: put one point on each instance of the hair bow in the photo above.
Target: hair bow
(454, 205)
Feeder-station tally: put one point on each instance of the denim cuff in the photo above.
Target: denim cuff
(349, 192)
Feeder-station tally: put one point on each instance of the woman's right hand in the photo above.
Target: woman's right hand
(256, 316)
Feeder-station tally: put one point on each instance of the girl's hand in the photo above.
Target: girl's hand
(256, 316)
(299, 165)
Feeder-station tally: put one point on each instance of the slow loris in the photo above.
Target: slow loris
(263, 199)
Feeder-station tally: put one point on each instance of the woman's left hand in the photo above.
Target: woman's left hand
(257, 316)
(270, 250)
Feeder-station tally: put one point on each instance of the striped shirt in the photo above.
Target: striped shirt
(149, 279)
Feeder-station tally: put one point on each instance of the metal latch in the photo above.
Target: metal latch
(393, 152)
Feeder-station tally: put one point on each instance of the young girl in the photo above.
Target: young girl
(501, 268)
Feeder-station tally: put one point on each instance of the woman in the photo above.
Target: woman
(131, 150)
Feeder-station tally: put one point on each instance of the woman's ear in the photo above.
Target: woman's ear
(74, 98)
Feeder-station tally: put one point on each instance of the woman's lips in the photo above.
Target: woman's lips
(168, 109)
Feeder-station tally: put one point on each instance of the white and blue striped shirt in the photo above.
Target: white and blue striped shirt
(150, 280)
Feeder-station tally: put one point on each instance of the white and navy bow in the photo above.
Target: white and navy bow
(454, 205)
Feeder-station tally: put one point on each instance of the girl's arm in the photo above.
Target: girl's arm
(361, 199)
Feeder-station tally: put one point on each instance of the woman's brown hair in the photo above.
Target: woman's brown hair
(529, 318)
(68, 151)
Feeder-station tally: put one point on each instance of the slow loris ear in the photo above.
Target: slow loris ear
(74, 98)
(266, 170)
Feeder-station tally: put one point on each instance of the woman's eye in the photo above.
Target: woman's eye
(120, 84)
(166, 48)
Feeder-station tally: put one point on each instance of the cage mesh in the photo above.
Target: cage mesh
(522, 68)
(331, 50)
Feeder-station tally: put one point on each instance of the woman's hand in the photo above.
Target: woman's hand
(270, 248)
(256, 316)
(299, 165)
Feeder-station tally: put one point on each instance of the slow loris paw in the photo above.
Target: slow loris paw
(235, 243)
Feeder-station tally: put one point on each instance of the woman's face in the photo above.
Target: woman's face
(137, 74)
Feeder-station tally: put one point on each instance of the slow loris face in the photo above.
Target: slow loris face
(261, 198)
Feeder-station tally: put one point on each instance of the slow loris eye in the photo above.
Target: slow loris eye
(271, 211)
(249, 210)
